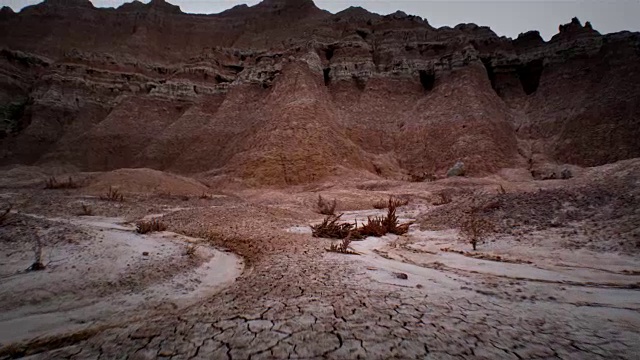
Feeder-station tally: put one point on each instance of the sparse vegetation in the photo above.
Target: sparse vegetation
(342, 247)
(373, 227)
(191, 250)
(144, 227)
(443, 198)
(325, 207)
(376, 226)
(330, 228)
(475, 229)
(37, 252)
(424, 177)
(391, 221)
(86, 210)
(53, 183)
(383, 204)
(112, 195)
(5, 214)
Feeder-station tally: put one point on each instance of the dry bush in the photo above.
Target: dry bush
(326, 207)
(342, 247)
(330, 228)
(143, 227)
(112, 195)
(443, 198)
(86, 210)
(53, 183)
(37, 253)
(475, 228)
(428, 177)
(399, 202)
(5, 214)
(376, 226)
(191, 250)
(391, 220)
(383, 204)
(373, 227)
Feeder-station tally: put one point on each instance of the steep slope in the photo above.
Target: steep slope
(285, 93)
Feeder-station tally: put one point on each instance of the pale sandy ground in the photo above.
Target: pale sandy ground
(105, 276)
(554, 292)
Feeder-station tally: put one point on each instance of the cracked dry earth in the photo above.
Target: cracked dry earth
(295, 300)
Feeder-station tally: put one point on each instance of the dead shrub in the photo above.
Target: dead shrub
(373, 227)
(397, 202)
(53, 183)
(391, 220)
(443, 199)
(475, 229)
(112, 195)
(85, 210)
(342, 247)
(325, 207)
(5, 214)
(191, 250)
(37, 253)
(330, 228)
(143, 227)
(424, 177)
(376, 226)
(383, 204)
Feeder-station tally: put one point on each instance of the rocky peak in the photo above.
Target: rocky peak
(6, 12)
(528, 40)
(69, 3)
(161, 5)
(154, 5)
(280, 4)
(574, 30)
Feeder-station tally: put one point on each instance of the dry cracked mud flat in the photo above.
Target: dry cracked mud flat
(237, 274)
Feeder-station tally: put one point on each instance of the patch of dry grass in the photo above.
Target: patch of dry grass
(112, 195)
(5, 214)
(384, 204)
(144, 227)
(475, 228)
(53, 183)
(331, 229)
(376, 226)
(342, 247)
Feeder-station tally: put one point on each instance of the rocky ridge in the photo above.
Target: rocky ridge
(284, 93)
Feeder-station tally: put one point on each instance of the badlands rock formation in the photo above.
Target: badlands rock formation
(285, 93)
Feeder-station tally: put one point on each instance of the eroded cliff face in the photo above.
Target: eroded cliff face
(285, 93)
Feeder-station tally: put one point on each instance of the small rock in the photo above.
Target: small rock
(419, 286)
(402, 276)
(456, 170)
(145, 253)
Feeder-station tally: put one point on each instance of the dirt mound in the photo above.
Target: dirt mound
(145, 181)
(604, 203)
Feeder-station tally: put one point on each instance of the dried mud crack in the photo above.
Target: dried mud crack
(296, 300)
